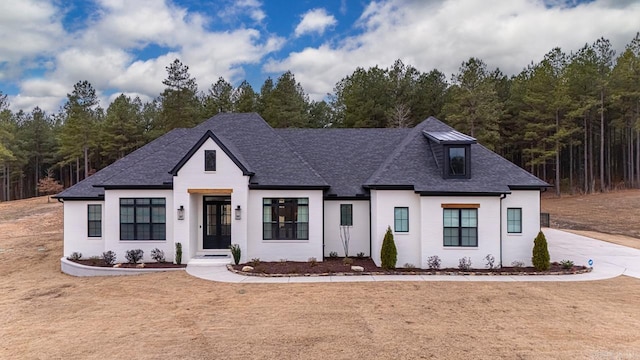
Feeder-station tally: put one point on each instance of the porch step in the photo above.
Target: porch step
(210, 261)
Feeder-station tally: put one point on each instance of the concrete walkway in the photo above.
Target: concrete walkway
(609, 260)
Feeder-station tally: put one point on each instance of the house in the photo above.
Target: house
(288, 194)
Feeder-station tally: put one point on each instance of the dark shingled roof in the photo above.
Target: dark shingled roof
(345, 162)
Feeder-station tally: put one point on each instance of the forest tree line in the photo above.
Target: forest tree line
(571, 119)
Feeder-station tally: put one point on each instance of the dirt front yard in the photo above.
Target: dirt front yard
(45, 314)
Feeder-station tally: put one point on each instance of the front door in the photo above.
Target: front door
(217, 223)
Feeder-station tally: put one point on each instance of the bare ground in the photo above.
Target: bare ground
(45, 314)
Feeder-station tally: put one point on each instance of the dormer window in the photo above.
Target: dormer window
(456, 161)
(209, 160)
(452, 152)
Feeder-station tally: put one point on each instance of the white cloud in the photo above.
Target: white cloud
(29, 31)
(443, 34)
(315, 21)
(105, 52)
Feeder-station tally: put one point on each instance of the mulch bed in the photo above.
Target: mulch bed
(335, 266)
(148, 265)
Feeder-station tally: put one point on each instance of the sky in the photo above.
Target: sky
(124, 46)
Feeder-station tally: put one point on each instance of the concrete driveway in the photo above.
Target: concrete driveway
(609, 260)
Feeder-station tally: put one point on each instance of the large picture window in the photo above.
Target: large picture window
(401, 219)
(143, 219)
(285, 219)
(461, 227)
(514, 220)
(346, 215)
(94, 223)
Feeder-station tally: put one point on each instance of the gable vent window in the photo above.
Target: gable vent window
(209, 160)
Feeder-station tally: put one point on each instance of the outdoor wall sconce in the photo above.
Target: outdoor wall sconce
(238, 211)
(181, 213)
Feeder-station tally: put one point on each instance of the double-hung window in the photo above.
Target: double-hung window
(94, 220)
(401, 219)
(285, 218)
(461, 227)
(346, 215)
(514, 220)
(142, 219)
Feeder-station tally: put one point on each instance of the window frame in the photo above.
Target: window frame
(97, 224)
(275, 224)
(157, 230)
(210, 160)
(346, 214)
(459, 227)
(400, 229)
(516, 221)
(447, 162)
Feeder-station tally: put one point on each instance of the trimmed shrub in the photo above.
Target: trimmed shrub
(75, 256)
(135, 255)
(434, 262)
(236, 252)
(360, 255)
(109, 257)
(157, 255)
(388, 253)
(490, 261)
(333, 254)
(541, 259)
(517, 264)
(178, 253)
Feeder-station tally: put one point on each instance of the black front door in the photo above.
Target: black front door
(217, 223)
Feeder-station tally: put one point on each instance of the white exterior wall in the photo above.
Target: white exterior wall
(360, 232)
(519, 247)
(193, 176)
(433, 234)
(408, 244)
(76, 229)
(275, 250)
(111, 225)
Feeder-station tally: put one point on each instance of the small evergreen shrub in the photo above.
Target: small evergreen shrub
(517, 264)
(360, 255)
(178, 253)
(109, 257)
(236, 252)
(541, 259)
(434, 262)
(388, 253)
(464, 263)
(158, 255)
(566, 264)
(135, 255)
(333, 254)
(490, 261)
(75, 256)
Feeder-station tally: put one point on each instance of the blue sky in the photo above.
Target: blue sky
(123, 46)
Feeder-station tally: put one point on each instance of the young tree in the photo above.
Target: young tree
(49, 186)
(388, 252)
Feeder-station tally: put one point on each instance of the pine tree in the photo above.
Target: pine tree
(179, 103)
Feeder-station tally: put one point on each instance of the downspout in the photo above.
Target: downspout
(501, 230)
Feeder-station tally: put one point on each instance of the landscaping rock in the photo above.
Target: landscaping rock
(247, 268)
(117, 265)
(357, 268)
(140, 265)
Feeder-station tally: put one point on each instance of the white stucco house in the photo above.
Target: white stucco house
(286, 193)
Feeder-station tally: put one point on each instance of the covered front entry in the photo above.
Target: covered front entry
(216, 229)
